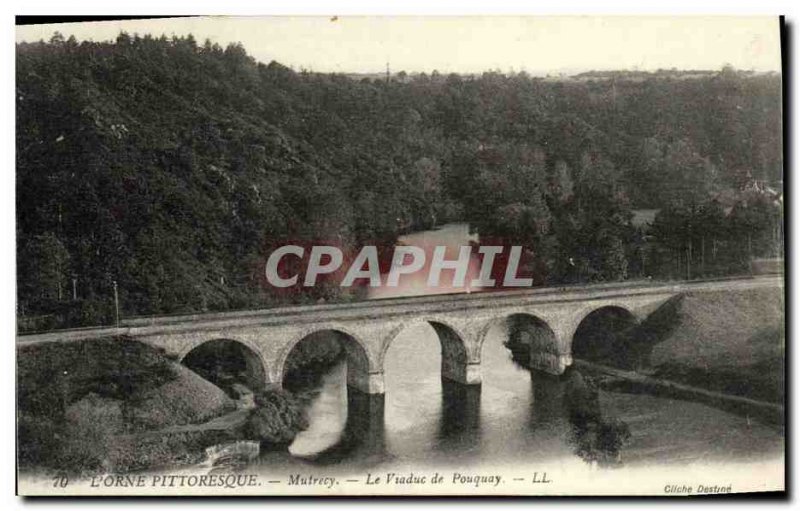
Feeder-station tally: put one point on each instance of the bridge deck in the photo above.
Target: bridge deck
(398, 307)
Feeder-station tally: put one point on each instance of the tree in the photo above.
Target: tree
(593, 232)
(753, 224)
(173, 168)
(712, 229)
(43, 268)
(561, 183)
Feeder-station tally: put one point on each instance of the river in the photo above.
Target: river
(514, 419)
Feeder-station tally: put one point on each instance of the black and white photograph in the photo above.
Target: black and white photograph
(400, 256)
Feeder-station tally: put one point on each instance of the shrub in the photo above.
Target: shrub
(89, 431)
(278, 418)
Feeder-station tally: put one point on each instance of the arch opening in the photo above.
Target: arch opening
(317, 354)
(454, 358)
(530, 340)
(605, 336)
(520, 357)
(229, 364)
(333, 369)
(433, 391)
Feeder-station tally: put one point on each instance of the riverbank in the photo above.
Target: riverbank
(723, 348)
(119, 405)
(75, 401)
(616, 380)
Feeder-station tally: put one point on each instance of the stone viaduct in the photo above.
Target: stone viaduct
(368, 328)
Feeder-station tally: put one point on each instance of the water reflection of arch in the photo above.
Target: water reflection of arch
(454, 348)
(255, 367)
(547, 403)
(604, 334)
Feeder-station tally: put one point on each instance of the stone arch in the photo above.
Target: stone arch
(531, 340)
(359, 361)
(216, 359)
(456, 353)
(604, 335)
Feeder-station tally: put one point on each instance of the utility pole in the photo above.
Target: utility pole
(689, 261)
(642, 256)
(116, 304)
(703, 254)
(74, 289)
(689, 253)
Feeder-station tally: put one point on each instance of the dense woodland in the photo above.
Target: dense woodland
(172, 168)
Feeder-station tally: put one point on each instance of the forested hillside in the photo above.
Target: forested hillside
(173, 167)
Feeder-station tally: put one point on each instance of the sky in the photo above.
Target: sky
(537, 45)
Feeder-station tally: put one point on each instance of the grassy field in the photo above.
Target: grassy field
(76, 399)
(731, 342)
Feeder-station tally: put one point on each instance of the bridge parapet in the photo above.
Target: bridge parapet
(462, 323)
